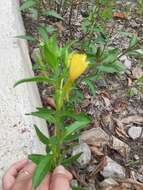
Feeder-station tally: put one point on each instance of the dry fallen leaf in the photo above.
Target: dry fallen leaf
(132, 119)
(96, 151)
(104, 93)
(100, 166)
(59, 26)
(119, 105)
(120, 15)
(119, 129)
(49, 101)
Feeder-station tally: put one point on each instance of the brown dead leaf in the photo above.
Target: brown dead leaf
(119, 129)
(132, 119)
(100, 166)
(129, 81)
(49, 101)
(96, 151)
(132, 182)
(137, 72)
(59, 26)
(121, 133)
(105, 94)
(86, 103)
(120, 15)
(106, 119)
(119, 105)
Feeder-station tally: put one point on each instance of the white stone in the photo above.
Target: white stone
(134, 132)
(108, 182)
(113, 170)
(120, 146)
(126, 61)
(85, 157)
(17, 135)
(94, 136)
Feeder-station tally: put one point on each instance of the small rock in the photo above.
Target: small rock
(91, 184)
(141, 169)
(101, 83)
(113, 170)
(133, 24)
(139, 177)
(126, 61)
(74, 183)
(120, 146)
(108, 182)
(85, 157)
(134, 132)
(137, 72)
(136, 157)
(94, 136)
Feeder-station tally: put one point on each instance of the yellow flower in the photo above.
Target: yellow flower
(77, 65)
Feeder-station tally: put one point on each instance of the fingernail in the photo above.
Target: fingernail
(60, 169)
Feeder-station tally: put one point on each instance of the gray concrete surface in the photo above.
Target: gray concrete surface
(17, 136)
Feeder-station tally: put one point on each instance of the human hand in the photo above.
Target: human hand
(22, 178)
(10, 176)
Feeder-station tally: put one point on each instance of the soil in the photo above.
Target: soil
(111, 101)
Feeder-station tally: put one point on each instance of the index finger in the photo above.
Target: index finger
(15, 168)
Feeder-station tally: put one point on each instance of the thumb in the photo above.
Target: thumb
(60, 179)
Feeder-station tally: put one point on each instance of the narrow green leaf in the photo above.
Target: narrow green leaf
(41, 136)
(133, 41)
(26, 5)
(140, 80)
(54, 14)
(43, 33)
(91, 86)
(78, 117)
(33, 79)
(36, 158)
(106, 69)
(44, 113)
(26, 37)
(67, 162)
(74, 127)
(42, 169)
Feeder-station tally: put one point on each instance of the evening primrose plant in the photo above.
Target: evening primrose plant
(59, 68)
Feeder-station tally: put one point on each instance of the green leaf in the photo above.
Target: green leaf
(43, 33)
(50, 29)
(26, 5)
(140, 80)
(78, 117)
(44, 113)
(106, 69)
(133, 41)
(67, 162)
(26, 37)
(74, 127)
(41, 136)
(33, 79)
(132, 92)
(136, 53)
(91, 87)
(42, 169)
(54, 14)
(36, 158)
(71, 137)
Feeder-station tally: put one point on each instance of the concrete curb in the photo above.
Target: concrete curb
(17, 135)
